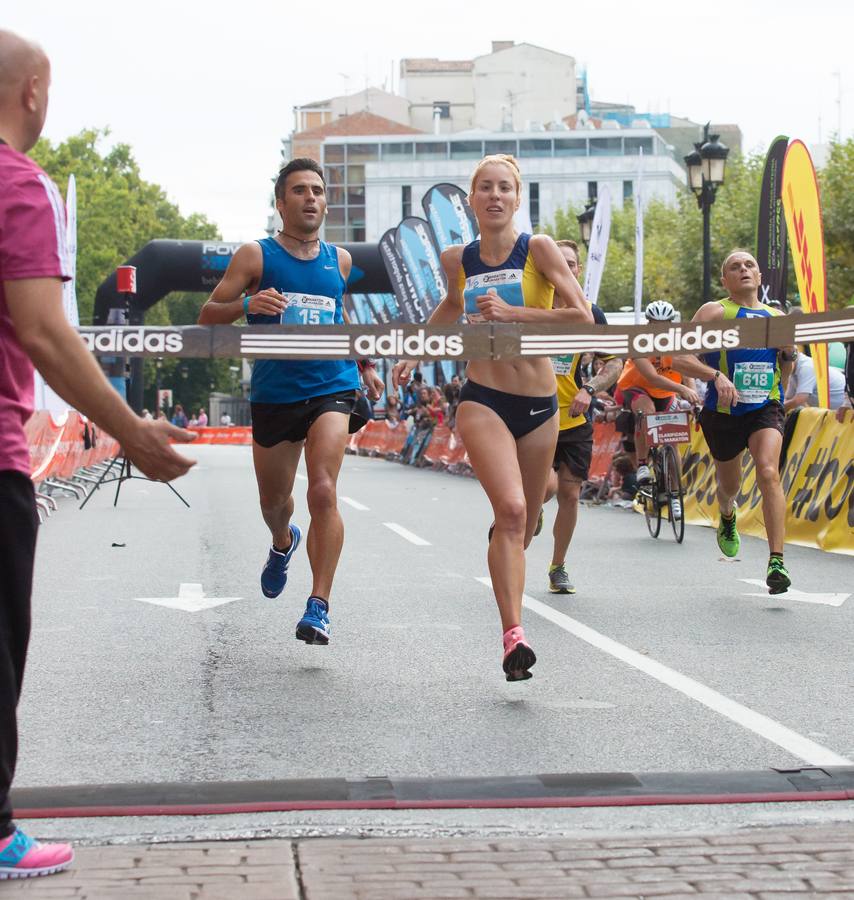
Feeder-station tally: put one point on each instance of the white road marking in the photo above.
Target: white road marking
(355, 504)
(412, 538)
(191, 598)
(800, 596)
(810, 752)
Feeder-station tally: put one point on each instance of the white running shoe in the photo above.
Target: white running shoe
(676, 508)
(644, 474)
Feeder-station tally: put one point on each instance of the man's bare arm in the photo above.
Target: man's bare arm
(57, 351)
(225, 304)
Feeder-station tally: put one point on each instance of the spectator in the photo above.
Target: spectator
(225, 420)
(392, 408)
(622, 479)
(179, 417)
(438, 407)
(146, 414)
(202, 419)
(801, 389)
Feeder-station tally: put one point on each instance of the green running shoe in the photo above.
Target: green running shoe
(778, 579)
(728, 539)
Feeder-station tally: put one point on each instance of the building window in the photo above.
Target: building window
(405, 200)
(397, 151)
(534, 203)
(510, 147)
(570, 147)
(466, 149)
(444, 108)
(628, 190)
(592, 190)
(633, 145)
(608, 146)
(431, 150)
(535, 147)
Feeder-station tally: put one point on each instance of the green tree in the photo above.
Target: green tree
(118, 213)
(837, 199)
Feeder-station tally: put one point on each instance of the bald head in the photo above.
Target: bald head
(24, 83)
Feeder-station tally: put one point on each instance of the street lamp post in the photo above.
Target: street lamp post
(706, 168)
(585, 221)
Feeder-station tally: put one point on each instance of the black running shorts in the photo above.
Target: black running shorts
(575, 450)
(273, 423)
(521, 414)
(727, 435)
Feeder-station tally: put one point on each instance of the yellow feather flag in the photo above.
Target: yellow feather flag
(802, 206)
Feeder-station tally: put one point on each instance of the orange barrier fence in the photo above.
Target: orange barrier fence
(222, 434)
(59, 448)
(606, 442)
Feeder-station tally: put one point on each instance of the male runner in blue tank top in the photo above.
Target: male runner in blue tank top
(743, 409)
(295, 278)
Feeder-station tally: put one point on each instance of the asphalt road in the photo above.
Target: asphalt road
(661, 661)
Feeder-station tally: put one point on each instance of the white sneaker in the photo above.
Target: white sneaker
(644, 474)
(676, 508)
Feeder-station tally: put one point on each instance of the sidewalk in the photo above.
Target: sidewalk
(768, 864)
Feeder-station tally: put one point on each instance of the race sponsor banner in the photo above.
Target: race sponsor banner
(599, 235)
(772, 251)
(463, 342)
(639, 241)
(802, 205)
(402, 283)
(817, 479)
(447, 210)
(213, 434)
(416, 244)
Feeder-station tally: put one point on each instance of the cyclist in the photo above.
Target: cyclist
(652, 385)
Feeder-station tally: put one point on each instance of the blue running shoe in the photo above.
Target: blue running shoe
(313, 627)
(274, 575)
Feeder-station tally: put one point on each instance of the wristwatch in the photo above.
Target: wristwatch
(590, 389)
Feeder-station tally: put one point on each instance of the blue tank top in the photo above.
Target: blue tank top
(517, 280)
(755, 372)
(314, 289)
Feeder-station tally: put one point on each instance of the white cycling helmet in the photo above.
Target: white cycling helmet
(660, 311)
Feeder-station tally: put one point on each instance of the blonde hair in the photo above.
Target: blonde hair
(504, 159)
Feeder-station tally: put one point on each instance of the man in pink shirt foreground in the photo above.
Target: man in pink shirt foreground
(33, 329)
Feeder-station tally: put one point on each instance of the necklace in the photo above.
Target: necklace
(298, 239)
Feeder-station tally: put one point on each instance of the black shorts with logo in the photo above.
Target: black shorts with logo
(273, 423)
(575, 450)
(727, 435)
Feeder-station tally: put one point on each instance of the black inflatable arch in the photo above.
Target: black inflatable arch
(163, 266)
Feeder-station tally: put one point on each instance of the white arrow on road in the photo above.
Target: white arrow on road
(191, 598)
(800, 596)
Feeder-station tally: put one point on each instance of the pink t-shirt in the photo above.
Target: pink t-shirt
(32, 245)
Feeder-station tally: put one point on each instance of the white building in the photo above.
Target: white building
(383, 177)
(516, 87)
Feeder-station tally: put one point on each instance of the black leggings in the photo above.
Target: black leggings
(18, 527)
(520, 414)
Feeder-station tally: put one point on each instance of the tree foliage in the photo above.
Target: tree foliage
(118, 213)
(673, 237)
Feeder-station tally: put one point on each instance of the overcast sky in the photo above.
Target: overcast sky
(203, 92)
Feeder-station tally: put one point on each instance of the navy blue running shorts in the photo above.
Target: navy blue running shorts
(520, 414)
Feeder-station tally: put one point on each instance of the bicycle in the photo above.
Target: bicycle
(663, 431)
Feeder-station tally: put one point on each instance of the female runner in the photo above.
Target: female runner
(507, 414)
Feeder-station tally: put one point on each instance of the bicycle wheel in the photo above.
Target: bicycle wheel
(675, 493)
(649, 494)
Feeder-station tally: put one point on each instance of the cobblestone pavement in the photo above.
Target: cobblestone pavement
(768, 864)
